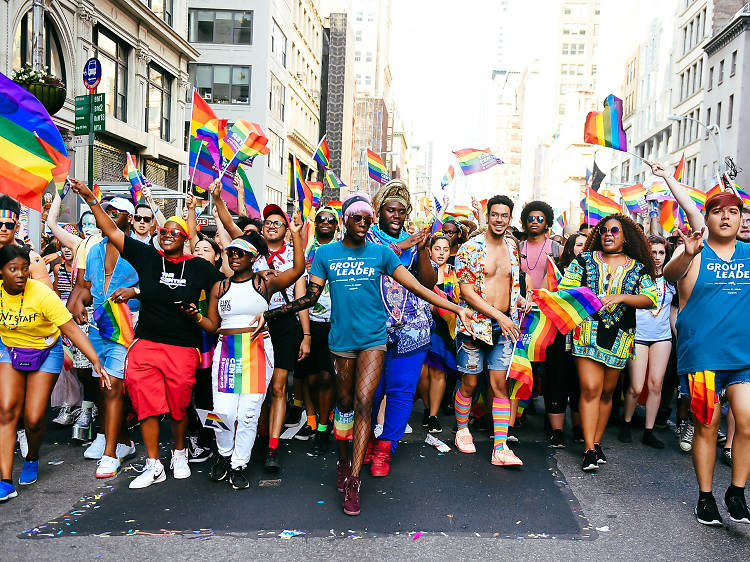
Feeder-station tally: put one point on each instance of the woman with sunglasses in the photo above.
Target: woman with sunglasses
(161, 363)
(616, 264)
(353, 268)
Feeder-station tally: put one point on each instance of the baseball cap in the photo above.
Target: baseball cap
(119, 203)
(274, 209)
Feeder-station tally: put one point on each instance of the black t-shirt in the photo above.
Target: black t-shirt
(164, 283)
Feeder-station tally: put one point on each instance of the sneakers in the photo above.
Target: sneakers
(152, 473)
(686, 436)
(351, 495)
(219, 469)
(721, 437)
(272, 464)
(238, 480)
(464, 441)
(677, 428)
(726, 456)
(65, 416)
(589, 463)
(196, 453)
(82, 425)
(512, 438)
(23, 443)
(557, 439)
(125, 452)
(505, 457)
(29, 473)
(304, 433)
(737, 508)
(652, 440)
(343, 471)
(707, 513)
(425, 418)
(369, 452)
(293, 416)
(321, 442)
(107, 467)
(7, 491)
(179, 465)
(433, 425)
(600, 458)
(381, 458)
(624, 435)
(378, 431)
(96, 449)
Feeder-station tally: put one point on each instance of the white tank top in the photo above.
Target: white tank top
(240, 305)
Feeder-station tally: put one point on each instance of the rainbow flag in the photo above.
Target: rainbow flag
(376, 168)
(115, 322)
(316, 188)
(596, 206)
(200, 172)
(437, 226)
(448, 177)
(658, 191)
(473, 160)
(703, 395)
(334, 182)
(553, 275)
(212, 134)
(26, 167)
(97, 191)
(133, 175)
(242, 365)
(567, 308)
(304, 194)
(537, 333)
(251, 203)
(635, 198)
(215, 421)
(447, 315)
(670, 216)
(456, 214)
(562, 220)
(605, 127)
(67, 358)
(334, 204)
(698, 196)
(61, 169)
(244, 141)
(715, 190)
(483, 205)
(680, 168)
(323, 153)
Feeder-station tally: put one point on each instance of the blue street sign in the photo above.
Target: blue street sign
(92, 73)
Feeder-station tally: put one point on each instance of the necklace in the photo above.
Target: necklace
(2, 310)
(612, 275)
(164, 271)
(538, 257)
(662, 295)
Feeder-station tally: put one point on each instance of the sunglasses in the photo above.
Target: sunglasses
(141, 218)
(614, 231)
(535, 218)
(173, 232)
(10, 225)
(277, 224)
(328, 220)
(114, 213)
(240, 253)
(367, 219)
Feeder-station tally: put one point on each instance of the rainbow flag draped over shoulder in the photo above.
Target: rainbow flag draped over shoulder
(26, 165)
(473, 160)
(635, 198)
(244, 141)
(304, 194)
(598, 206)
(322, 154)
(376, 168)
(115, 322)
(242, 365)
(605, 127)
(567, 308)
(448, 177)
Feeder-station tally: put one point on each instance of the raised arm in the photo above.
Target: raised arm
(286, 278)
(66, 238)
(103, 220)
(694, 216)
(683, 257)
(314, 289)
(192, 220)
(158, 215)
(221, 209)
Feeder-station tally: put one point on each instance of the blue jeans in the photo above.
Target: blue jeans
(398, 383)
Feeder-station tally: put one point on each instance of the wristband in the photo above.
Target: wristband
(200, 318)
(306, 334)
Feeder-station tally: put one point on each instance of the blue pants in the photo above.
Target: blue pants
(398, 383)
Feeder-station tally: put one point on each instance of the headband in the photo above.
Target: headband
(8, 214)
(183, 224)
(356, 199)
(244, 245)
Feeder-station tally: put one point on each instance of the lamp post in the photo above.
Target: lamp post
(714, 133)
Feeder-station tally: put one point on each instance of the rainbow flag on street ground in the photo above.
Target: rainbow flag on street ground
(596, 206)
(322, 154)
(242, 364)
(115, 322)
(605, 127)
(635, 198)
(567, 308)
(376, 168)
(473, 160)
(448, 177)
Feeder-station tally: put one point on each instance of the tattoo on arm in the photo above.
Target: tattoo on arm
(311, 297)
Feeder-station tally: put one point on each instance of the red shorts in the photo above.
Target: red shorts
(160, 378)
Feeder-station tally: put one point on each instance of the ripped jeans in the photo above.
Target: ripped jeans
(472, 355)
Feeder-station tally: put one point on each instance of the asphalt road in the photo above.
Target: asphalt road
(639, 506)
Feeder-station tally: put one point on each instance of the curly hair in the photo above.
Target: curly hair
(540, 206)
(567, 256)
(636, 245)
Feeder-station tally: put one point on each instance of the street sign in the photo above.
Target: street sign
(90, 110)
(92, 74)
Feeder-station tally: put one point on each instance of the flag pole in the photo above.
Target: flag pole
(192, 176)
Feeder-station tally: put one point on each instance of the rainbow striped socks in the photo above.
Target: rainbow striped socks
(500, 421)
(462, 406)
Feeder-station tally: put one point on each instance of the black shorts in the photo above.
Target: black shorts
(320, 356)
(286, 337)
(650, 343)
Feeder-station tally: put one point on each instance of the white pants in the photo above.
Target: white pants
(244, 409)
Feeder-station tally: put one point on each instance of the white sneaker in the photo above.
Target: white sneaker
(152, 473)
(107, 467)
(125, 452)
(378, 430)
(96, 449)
(23, 444)
(408, 429)
(179, 465)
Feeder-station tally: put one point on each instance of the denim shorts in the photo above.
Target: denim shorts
(472, 355)
(725, 379)
(111, 354)
(52, 364)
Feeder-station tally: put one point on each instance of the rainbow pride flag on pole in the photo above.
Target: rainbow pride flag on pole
(115, 322)
(335, 204)
(670, 216)
(605, 127)
(243, 142)
(316, 188)
(304, 194)
(680, 168)
(562, 220)
(322, 154)
(698, 196)
(376, 168)
(473, 160)
(635, 198)
(334, 182)
(567, 308)
(133, 175)
(596, 206)
(199, 173)
(242, 365)
(448, 177)
(61, 169)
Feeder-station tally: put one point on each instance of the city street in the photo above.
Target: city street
(640, 505)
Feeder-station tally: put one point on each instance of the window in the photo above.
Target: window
(580, 69)
(710, 78)
(708, 117)
(358, 36)
(276, 97)
(733, 68)
(278, 45)
(162, 8)
(369, 57)
(276, 152)
(22, 47)
(358, 56)
(721, 73)
(113, 56)
(158, 102)
(718, 114)
(564, 69)
(222, 83)
(224, 27)
(730, 110)
(565, 48)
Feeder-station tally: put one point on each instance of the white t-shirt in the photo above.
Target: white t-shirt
(653, 325)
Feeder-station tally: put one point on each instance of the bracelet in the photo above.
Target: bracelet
(395, 248)
(200, 318)
(306, 334)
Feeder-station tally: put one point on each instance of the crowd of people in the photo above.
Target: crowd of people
(367, 317)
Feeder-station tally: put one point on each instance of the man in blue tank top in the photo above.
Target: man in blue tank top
(713, 277)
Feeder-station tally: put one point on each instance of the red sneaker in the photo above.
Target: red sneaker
(381, 458)
(369, 452)
(343, 470)
(351, 495)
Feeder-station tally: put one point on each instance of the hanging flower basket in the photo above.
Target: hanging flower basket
(46, 88)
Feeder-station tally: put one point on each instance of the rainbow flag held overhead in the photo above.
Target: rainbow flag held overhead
(304, 194)
(244, 141)
(596, 206)
(376, 168)
(698, 196)
(115, 322)
(316, 188)
(213, 134)
(61, 169)
(334, 182)
(605, 127)
(562, 220)
(670, 216)
(448, 177)
(473, 160)
(437, 226)
(483, 206)
(97, 191)
(635, 198)
(251, 203)
(658, 191)
(715, 190)
(133, 174)
(680, 168)
(567, 308)
(242, 364)
(322, 154)
(199, 160)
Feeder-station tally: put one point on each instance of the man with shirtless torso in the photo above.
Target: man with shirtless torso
(488, 270)
(713, 278)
